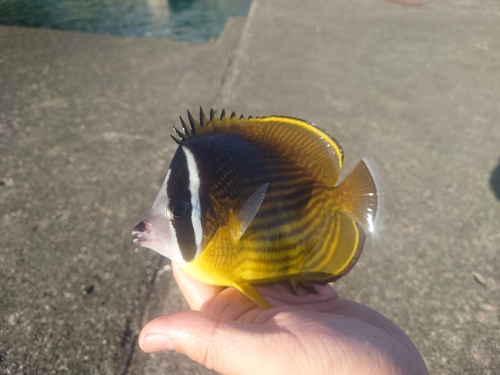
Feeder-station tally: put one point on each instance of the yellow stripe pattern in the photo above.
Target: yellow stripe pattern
(302, 230)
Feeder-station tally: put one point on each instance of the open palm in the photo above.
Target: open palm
(305, 334)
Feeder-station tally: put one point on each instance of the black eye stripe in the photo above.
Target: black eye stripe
(178, 181)
(184, 233)
(178, 191)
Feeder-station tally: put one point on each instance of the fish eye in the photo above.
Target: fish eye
(177, 209)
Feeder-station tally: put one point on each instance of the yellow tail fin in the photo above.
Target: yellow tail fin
(360, 194)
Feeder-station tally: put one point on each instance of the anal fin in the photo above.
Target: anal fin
(293, 285)
(253, 294)
(309, 286)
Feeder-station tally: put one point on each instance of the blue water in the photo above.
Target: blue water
(189, 20)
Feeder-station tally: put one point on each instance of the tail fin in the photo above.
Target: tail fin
(360, 192)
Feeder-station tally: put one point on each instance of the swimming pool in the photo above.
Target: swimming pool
(188, 20)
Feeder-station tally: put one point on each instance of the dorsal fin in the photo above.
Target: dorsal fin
(298, 140)
(194, 124)
(203, 119)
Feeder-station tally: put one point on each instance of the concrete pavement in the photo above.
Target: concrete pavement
(84, 124)
(418, 89)
(84, 139)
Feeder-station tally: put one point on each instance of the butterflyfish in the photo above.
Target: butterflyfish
(248, 201)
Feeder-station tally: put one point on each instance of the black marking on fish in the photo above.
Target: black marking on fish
(178, 189)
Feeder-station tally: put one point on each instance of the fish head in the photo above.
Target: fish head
(174, 228)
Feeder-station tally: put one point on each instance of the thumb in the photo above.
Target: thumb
(225, 346)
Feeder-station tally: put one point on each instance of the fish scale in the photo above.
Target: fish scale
(259, 201)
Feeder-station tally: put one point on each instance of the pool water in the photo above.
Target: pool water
(188, 20)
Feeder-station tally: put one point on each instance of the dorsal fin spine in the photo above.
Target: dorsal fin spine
(203, 118)
(192, 122)
(179, 133)
(184, 126)
(178, 141)
(189, 130)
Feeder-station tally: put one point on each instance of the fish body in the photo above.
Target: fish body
(248, 201)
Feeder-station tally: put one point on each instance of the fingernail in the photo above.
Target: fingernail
(155, 342)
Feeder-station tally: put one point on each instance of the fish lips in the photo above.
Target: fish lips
(145, 236)
(158, 239)
(140, 231)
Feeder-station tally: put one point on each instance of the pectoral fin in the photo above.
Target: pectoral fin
(247, 213)
(253, 294)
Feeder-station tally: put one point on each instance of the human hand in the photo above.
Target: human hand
(305, 334)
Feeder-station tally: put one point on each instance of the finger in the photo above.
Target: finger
(217, 344)
(197, 294)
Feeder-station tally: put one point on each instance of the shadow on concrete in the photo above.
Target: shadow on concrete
(495, 180)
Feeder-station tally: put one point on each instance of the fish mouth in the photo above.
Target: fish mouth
(140, 231)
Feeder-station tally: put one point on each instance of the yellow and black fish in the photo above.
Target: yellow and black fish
(248, 201)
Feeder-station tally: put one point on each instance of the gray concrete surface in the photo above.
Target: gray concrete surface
(84, 124)
(84, 143)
